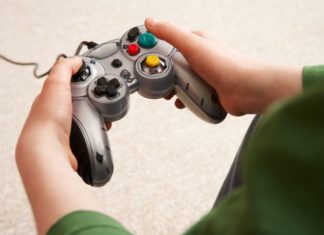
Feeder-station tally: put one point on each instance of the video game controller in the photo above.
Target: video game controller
(138, 62)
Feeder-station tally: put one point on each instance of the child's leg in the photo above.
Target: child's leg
(234, 176)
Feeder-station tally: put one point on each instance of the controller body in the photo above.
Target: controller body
(138, 62)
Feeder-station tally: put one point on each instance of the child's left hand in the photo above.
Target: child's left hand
(48, 125)
(44, 158)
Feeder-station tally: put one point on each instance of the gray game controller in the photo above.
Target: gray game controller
(111, 72)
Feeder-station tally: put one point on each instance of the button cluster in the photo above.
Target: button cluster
(108, 88)
(145, 40)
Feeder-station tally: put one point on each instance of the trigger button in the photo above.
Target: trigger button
(99, 157)
(187, 86)
(214, 98)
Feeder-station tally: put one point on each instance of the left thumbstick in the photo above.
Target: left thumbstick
(82, 74)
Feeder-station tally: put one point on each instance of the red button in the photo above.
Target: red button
(133, 49)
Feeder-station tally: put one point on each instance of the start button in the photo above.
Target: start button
(152, 61)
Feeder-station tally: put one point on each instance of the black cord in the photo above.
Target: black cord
(89, 45)
(36, 65)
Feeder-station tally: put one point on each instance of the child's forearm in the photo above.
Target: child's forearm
(243, 85)
(53, 187)
(43, 155)
(276, 82)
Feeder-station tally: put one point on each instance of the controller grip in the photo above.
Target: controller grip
(195, 93)
(89, 144)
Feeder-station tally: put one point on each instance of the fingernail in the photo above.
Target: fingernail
(150, 22)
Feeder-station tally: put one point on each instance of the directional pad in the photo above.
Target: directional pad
(108, 88)
(102, 81)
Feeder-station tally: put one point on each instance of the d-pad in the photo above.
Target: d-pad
(108, 88)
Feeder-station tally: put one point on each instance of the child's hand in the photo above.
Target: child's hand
(44, 158)
(48, 125)
(243, 85)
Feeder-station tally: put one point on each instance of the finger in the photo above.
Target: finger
(183, 40)
(60, 75)
(204, 34)
(169, 96)
(67, 66)
(178, 103)
(108, 125)
(73, 160)
(212, 38)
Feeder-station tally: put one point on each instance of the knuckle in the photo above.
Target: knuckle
(201, 33)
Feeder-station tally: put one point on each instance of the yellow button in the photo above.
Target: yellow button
(152, 60)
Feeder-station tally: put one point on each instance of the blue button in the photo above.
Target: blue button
(147, 40)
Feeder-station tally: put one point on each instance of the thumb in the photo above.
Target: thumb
(59, 78)
(195, 49)
(186, 42)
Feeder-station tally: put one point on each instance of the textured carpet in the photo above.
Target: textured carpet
(169, 165)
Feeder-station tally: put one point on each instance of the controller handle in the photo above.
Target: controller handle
(195, 93)
(89, 143)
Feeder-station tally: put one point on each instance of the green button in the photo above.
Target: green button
(147, 40)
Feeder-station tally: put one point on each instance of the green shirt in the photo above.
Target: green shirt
(283, 190)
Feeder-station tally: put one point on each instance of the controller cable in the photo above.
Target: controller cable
(89, 45)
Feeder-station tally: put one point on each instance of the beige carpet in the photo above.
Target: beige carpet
(169, 165)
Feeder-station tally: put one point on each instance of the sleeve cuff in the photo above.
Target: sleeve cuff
(312, 75)
(86, 223)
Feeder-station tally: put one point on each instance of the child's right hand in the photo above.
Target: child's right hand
(243, 85)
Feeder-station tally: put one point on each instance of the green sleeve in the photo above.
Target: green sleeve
(283, 174)
(87, 223)
(312, 75)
